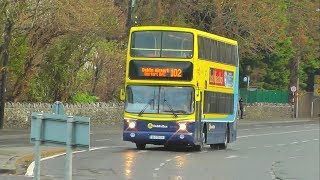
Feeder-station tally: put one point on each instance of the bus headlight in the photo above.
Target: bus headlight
(132, 124)
(182, 126)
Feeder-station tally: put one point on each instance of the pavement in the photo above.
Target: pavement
(16, 151)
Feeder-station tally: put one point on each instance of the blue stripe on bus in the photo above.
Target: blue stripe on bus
(229, 118)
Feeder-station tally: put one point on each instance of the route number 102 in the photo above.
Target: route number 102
(176, 72)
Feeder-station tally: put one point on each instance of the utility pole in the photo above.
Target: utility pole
(297, 94)
(131, 5)
(128, 23)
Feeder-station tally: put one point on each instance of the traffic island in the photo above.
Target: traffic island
(24, 162)
(8, 167)
(19, 165)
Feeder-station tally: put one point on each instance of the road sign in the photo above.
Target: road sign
(245, 79)
(58, 129)
(316, 90)
(293, 89)
(316, 79)
(54, 129)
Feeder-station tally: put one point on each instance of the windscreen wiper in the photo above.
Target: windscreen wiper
(171, 110)
(180, 111)
(145, 107)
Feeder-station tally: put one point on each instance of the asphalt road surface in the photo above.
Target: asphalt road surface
(263, 151)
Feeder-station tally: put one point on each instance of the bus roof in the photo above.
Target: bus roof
(184, 29)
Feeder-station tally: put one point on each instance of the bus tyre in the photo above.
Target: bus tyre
(198, 147)
(140, 146)
(213, 146)
(222, 145)
(225, 143)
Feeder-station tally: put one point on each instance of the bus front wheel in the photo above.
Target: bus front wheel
(140, 146)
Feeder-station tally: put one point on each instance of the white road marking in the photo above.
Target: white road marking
(281, 144)
(230, 157)
(98, 140)
(162, 164)
(156, 169)
(269, 134)
(305, 141)
(168, 160)
(294, 142)
(267, 146)
(315, 139)
(293, 157)
(97, 148)
(252, 147)
(177, 157)
(31, 166)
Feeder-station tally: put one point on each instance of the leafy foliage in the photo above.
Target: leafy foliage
(84, 97)
(75, 50)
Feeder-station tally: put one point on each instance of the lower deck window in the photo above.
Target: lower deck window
(215, 102)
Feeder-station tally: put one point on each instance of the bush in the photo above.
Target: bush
(84, 97)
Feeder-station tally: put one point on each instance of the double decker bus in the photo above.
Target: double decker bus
(181, 88)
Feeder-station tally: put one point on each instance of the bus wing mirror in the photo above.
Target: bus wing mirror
(198, 95)
(122, 95)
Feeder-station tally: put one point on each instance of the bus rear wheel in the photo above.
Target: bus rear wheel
(223, 145)
(140, 146)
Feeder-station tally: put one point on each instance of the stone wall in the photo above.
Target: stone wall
(18, 115)
(268, 111)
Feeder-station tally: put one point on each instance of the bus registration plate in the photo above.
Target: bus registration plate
(156, 137)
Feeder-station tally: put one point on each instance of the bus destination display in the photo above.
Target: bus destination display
(161, 70)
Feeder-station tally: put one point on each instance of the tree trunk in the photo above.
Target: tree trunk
(4, 70)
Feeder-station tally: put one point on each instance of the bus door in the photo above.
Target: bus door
(198, 124)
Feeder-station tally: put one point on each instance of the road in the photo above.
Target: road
(264, 151)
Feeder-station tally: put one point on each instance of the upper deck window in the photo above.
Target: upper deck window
(217, 51)
(169, 44)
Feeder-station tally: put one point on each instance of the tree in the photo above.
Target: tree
(302, 27)
(8, 23)
(45, 21)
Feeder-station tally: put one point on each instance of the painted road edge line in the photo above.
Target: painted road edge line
(30, 168)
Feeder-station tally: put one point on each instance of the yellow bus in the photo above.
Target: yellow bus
(181, 88)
